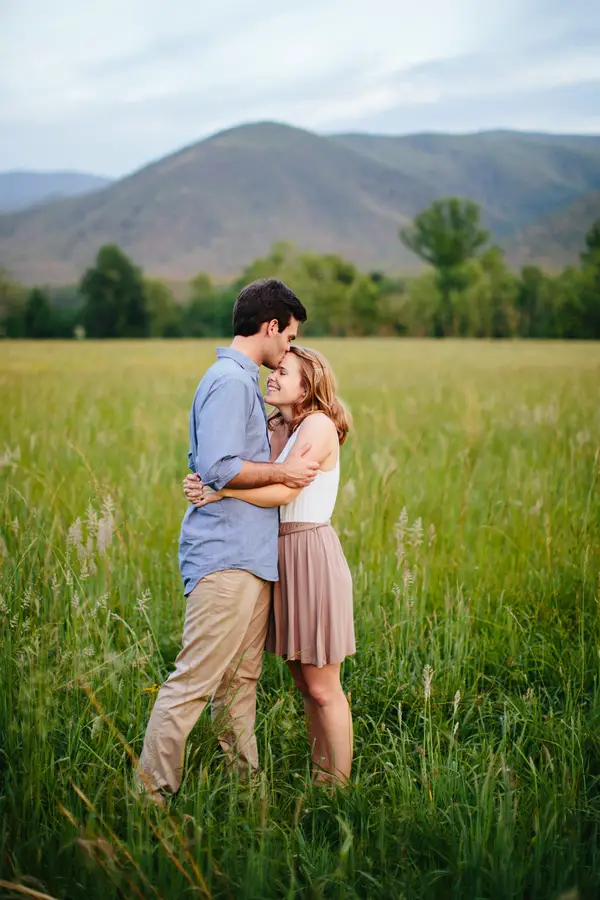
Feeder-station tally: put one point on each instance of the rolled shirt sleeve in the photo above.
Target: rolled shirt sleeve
(227, 425)
(221, 422)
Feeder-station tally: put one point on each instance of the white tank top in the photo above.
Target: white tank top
(316, 502)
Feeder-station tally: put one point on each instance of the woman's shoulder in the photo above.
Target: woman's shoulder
(317, 423)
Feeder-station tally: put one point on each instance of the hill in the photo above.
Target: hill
(515, 177)
(218, 204)
(19, 190)
(555, 240)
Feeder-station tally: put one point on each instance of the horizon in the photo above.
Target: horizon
(266, 122)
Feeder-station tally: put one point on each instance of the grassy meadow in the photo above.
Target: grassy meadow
(470, 516)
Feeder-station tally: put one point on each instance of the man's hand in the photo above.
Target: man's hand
(199, 494)
(193, 489)
(297, 471)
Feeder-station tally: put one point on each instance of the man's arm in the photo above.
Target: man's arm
(221, 425)
(294, 474)
(221, 422)
(320, 431)
(255, 475)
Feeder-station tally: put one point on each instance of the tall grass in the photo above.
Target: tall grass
(470, 515)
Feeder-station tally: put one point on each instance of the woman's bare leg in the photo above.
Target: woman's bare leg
(334, 721)
(315, 738)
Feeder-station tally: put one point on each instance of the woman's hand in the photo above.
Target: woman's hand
(198, 493)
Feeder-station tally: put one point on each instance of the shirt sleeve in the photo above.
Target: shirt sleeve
(221, 422)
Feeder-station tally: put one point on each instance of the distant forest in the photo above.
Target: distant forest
(467, 290)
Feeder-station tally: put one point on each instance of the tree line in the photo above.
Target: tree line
(467, 290)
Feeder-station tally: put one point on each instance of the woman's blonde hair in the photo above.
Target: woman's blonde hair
(319, 387)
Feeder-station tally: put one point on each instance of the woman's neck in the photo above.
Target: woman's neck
(287, 414)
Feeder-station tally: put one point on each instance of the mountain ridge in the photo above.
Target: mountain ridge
(23, 188)
(217, 204)
(557, 239)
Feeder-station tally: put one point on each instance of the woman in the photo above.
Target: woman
(312, 624)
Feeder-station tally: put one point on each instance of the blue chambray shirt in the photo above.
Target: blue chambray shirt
(228, 424)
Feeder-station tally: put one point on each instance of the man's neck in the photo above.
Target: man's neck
(249, 346)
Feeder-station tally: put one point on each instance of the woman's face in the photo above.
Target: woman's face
(284, 385)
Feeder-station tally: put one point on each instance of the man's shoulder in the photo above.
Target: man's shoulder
(224, 374)
(224, 371)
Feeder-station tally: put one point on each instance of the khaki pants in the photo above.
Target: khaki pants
(223, 640)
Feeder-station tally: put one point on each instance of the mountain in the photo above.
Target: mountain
(557, 239)
(515, 177)
(19, 190)
(218, 204)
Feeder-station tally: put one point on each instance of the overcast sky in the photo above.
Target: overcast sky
(108, 87)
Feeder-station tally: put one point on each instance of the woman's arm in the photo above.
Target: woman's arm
(317, 429)
(273, 494)
(266, 497)
(269, 496)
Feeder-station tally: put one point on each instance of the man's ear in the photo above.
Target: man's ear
(272, 328)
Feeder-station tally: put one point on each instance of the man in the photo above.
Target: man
(228, 550)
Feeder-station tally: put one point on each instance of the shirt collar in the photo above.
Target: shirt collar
(240, 358)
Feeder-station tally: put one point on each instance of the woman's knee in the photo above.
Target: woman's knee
(323, 688)
(299, 680)
(302, 686)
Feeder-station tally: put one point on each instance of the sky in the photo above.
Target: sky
(106, 88)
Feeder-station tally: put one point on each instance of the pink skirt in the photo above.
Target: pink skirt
(312, 617)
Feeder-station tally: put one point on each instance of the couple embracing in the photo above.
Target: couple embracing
(261, 565)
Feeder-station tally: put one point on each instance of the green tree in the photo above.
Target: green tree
(209, 308)
(422, 305)
(392, 303)
(325, 285)
(67, 296)
(446, 235)
(164, 313)
(338, 298)
(490, 298)
(590, 287)
(12, 306)
(114, 300)
(567, 290)
(531, 302)
(39, 319)
(65, 321)
(591, 254)
(280, 259)
(67, 309)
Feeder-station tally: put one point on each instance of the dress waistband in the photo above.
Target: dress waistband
(293, 527)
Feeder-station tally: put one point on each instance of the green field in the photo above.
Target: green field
(470, 516)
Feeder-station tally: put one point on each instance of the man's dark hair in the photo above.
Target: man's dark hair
(263, 301)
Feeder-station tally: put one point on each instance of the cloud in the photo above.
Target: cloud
(546, 84)
(109, 87)
(571, 108)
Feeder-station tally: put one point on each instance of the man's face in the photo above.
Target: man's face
(278, 342)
